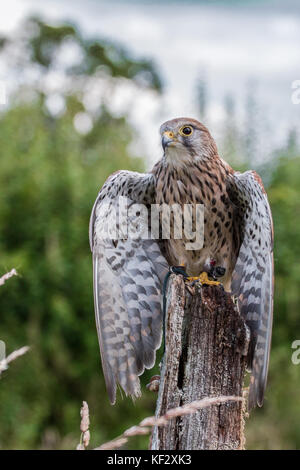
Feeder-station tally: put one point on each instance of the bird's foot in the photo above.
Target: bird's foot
(204, 280)
(180, 269)
(154, 383)
(216, 271)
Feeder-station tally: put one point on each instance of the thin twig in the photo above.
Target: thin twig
(144, 427)
(6, 276)
(11, 357)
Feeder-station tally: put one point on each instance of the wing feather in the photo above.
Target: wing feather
(253, 278)
(128, 274)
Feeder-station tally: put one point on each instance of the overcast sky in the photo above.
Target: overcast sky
(230, 43)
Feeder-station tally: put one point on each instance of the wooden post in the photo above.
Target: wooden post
(205, 356)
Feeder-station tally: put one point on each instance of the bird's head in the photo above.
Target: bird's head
(185, 139)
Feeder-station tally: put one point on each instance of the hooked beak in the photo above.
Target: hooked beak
(167, 139)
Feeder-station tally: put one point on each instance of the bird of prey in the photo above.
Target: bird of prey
(128, 271)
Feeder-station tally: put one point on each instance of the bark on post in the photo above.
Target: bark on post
(206, 343)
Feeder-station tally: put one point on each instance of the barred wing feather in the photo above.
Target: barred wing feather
(128, 274)
(252, 280)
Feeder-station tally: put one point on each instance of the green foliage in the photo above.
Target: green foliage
(276, 425)
(44, 41)
(50, 176)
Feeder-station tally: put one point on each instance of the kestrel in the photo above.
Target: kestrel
(129, 271)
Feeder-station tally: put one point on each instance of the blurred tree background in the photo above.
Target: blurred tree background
(57, 148)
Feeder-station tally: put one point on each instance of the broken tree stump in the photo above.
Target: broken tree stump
(205, 356)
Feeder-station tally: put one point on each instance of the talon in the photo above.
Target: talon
(216, 271)
(154, 383)
(180, 269)
(203, 279)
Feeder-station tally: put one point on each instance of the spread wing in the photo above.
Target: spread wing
(128, 270)
(253, 278)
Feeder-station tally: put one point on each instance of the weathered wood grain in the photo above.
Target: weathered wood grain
(206, 343)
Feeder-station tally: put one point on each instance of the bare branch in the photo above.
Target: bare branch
(115, 444)
(145, 426)
(11, 357)
(6, 276)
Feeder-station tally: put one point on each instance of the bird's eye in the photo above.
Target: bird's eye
(185, 131)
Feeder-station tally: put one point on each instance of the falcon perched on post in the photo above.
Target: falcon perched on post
(128, 271)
